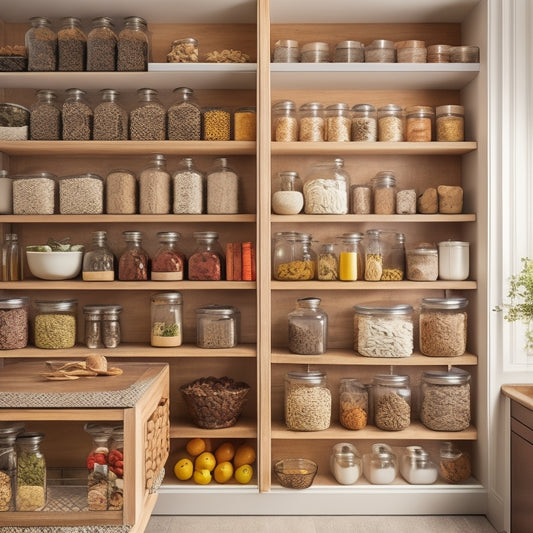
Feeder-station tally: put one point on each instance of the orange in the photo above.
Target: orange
(183, 469)
(244, 474)
(195, 447)
(205, 461)
(244, 455)
(202, 477)
(225, 452)
(223, 472)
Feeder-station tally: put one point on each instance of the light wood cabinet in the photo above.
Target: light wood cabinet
(262, 358)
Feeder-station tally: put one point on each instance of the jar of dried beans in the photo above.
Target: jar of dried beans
(394, 259)
(392, 402)
(338, 123)
(148, 117)
(307, 401)
(154, 187)
(168, 263)
(353, 403)
(422, 262)
(419, 123)
(71, 45)
(450, 123)
(364, 123)
(121, 192)
(55, 324)
(45, 117)
(31, 473)
(110, 118)
(184, 117)
(217, 326)
(390, 123)
(166, 319)
(98, 261)
(216, 123)
(308, 327)
(134, 262)
(445, 403)
(284, 122)
(222, 188)
(351, 264)
(312, 122)
(41, 45)
(133, 45)
(207, 261)
(77, 116)
(443, 326)
(326, 189)
(384, 189)
(101, 45)
(13, 323)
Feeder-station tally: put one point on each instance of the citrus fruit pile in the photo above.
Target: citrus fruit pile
(224, 463)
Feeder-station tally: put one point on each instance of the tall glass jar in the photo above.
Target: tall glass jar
(98, 261)
(217, 326)
(338, 123)
(222, 189)
(45, 117)
(419, 123)
(184, 116)
(308, 327)
(71, 46)
(353, 403)
(289, 199)
(12, 258)
(450, 123)
(394, 259)
(390, 123)
(55, 324)
(154, 187)
(294, 258)
(328, 262)
(101, 45)
(111, 329)
(168, 263)
(133, 45)
(6, 193)
(166, 319)
(121, 192)
(285, 126)
(326, 189)
(8, 464)
(134, 262)
(307, 401)
(384, 187)
(364, 123)
(392, 402)
(345, 463)
(351, 264)
(99, 482)
(31, 473)
(110, 118)
(92, 315)
(188, 188)
(41, 45)
(374, 252)
(207, 261)
(312, 122)
(148, 117)
(380, 466)
(14, 323)
(77, 115)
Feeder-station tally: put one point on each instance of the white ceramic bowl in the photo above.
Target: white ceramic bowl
(54, 265)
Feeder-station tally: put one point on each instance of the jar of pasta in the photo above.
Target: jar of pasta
(374, 248)
(326, 189)
(308, 327)
(293, 257)
(328, 262)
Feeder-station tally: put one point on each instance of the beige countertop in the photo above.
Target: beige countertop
(521, 393)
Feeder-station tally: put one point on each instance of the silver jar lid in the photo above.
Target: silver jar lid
(13, 303)
(455, 376)
(62, 305)
(400, 309)
(444, 303)
(391, 379)
(315, 377)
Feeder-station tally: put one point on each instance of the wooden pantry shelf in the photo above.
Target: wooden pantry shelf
(140, 219)
(373, 285)
(395, 219)
(79, 285)
(245, 428)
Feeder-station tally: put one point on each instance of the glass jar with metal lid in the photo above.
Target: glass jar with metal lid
(93, 326)
(307, 401)
(349, 52)
(328, 262)
(345, 463)
(110, 118)
(392, 402)
(45, 117)
(134, 262)
(326, 189)
(450, 123)
(188, 185)
(82, 194)
(207, 261)
(351, 262)
(289, 199)
(390, 123)
(285, 126)
(394, 258)
(416, 467)
(168, 263)
(166, 319)
(101, 45)
(419, 123)
(111, 330)
(217, 326)
(353, 403)
(183, 50)
(380, 51)
(184, 116)
(312, 122)
(422, 262)
(77, 116)
(8, 464)
(454, 464)
(384, 189)
(154, 187)
(383, 331)
(55, 324)
(148, 119)
(380, 466)
(364, 123)
(14, 323)
(133, 45)
(443, 326)
(438, 53)
(41, 45)
(308, 327)
(293, 257)
(338, 123)
(445, 402)
(316, 52)
(71, 46)
(34, 194)
(286, 51)
(454, 261)
(31, 473)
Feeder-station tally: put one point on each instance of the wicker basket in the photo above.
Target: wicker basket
(215, 403)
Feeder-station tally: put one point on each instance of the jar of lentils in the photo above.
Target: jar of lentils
(390, 123)
(77, 116)
(392, 402)
(148, 118)
(41, 45)
(13, 323)
(450, 123)
(338, 123)
(133, 45)
(244, 124)
(312, 122)
(101, 45)
(307, 401)
(184, 117)
(353, 403)
(81, 195)
(364, 123)
(284, 122)
(216, 123)
(55, 324)
(308, 327)
(45, 117)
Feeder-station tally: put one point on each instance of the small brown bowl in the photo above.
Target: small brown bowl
(295, 473)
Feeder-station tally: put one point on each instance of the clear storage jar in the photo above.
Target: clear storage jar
(443, 326)
(99, 482)
(286, 51)
(148, 119)
(380, 466)
(183, 50)
(110, 118)
(92, 315)
(307, 401)
(222, 188)
(361, 199)
(316, 52)
(422, 262)
(394, 258)
(184, 116)
(390, 123)
(450, 123)
(101, 45)
(6, 193)
(289, 199)
(111, 329)
(416, 467)
(71, 46)
(411, 51)
(168, 262)
(345, 463)
(312, 122)
(364, 123)
(383, 331)
(384, 192)
(353, 404)
(454, 464)
(308, 327)
(454, 261)
(351, 263)
(285, 127)
(374, 249)
(31, 473)
(12, 261)
(326, 189)
(392, 402)
(419, 123)
(217, 326)
(445, 400)
(41, 45)
(77, 116)
(338, 123)
(154, 187)
(98, 261)
(133, 45)
(55, 324)
(14, 323)
(328, 262)
(166, 321)
(45, 117)
(380, 51)
(134, 261)
(34, 194)
(81, 195)
(245, 124)
(349, 52)
(188, 189)
(8, 464)
(464, 54)
(121, 192)
(293, 257)
(207, 261)
(216, 123)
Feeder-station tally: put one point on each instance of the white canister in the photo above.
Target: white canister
(454, 261)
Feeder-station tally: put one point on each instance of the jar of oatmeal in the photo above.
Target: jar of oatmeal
(390, 123)
(392, 402)
(364, 123)
(121, 192)
(338, 123)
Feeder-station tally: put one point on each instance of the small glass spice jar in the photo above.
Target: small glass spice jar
(445, 400)
(154, 187)
(71, 46)
(222, 188)
(286, 51)
(380, 51)
(419, 123)
(316, 52)
(101, 45)
(411, 51)
(312, 123)
(384, 192)
(41, 45)
(8, 464)
(166, 319)
(328, 263)
(307, 401)
(217, 326)
(31, 473)
(45, 117)
(148, 118)
(13, 323)
(416, 467)
(134, 262)
(34, 194)
(216, 123)
(454, 464)
(454, 262)
(77, 116)
(168, 263)
(364, 123)
(338, 123)
(111, 330)
(345, 463)
(390, 123)
(184, 116)
(188, 185)
(110, 118)
(349, 52)
(92, 315)
(12, 261)
(392, 402)
(308, 327)
(55, 324)
(289, 199)
(285, 126)
(121, 192)
(133, 45)
(443, 326)
(450, 123)
(380, 466)
(353, 404)
(361, 199)
(351, 263)
(422, 262)
(207, 261)
(244, 124)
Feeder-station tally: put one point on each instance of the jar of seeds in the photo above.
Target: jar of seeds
(390, 123)
(184, 117)
(384, 189)
(110, 118)
(364, 123)
(101, 45)
(328, 263)
(222, 188)
(133, 45)
(216, 124)
(286, 51)
(77, 116)
(13, 323)
(450, 123)
(31, 473)
(445, 403)
(154, 187)
(98, 261)
(34, 194)
(422, 262)
(168, 263)
(188, 187)
(207, 261)
(41, 45)
(338, 123)
(54, 324)
(308, 327)
(217, 326)
(284, 122)
(312, 122)
(380, 51)
(81, 195)
(166, 319)
(353, 403)
(392, 402)
(349, 52)
(148, 118)
(134, 262)
(71, 46)
(121, 192)
(45, 117)
(307, 401)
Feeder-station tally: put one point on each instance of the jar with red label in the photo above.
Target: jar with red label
(168, 263)
(207, 262)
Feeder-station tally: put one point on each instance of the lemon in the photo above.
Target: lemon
(195, 447)
(183, 469)
(225, 452)
(205, 460)
(202, 477)
(223, 472)
(244, 474)
(244, 455)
